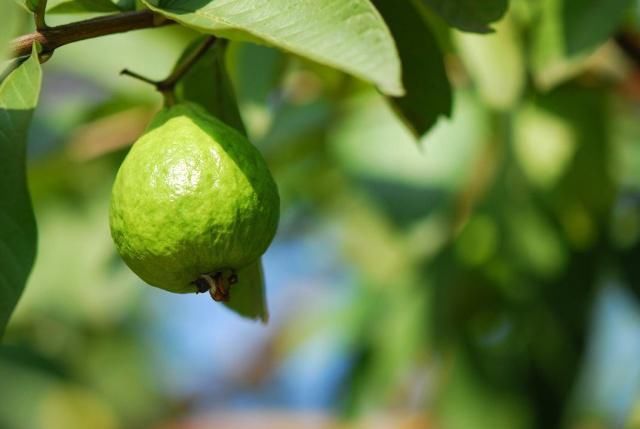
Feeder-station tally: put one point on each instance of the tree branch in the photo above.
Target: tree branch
(52, 38)
(167, 86)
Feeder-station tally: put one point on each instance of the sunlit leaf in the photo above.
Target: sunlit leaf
(496, 63)
(349, 35)
(18, 98)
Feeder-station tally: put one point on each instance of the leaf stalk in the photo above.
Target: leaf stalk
(167, 86)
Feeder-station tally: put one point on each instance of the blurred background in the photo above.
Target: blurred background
(485, 276)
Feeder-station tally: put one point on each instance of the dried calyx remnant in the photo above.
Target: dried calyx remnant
(217, 283)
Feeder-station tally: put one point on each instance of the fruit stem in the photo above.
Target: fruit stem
(167, 86)
(183, 68)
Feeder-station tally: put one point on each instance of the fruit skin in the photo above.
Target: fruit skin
(192, 196)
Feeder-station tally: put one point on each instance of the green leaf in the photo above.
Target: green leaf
(18, 98)
(248, 295)
(349, 35)
(496, 63)
(83, 6)
(470, 15)
(549, 60)
(428, 92)
(589, 23)
(207, 83)
(242, 61)
(567, 31)
(254, 91)
(9, 23)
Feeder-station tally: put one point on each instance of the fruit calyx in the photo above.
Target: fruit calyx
(217, 283)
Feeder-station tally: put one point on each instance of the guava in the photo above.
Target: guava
(193, 203)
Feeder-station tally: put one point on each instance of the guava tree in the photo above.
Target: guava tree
(388, 44)
(519, 219)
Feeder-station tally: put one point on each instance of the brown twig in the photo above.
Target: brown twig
(167, 86)
(51, 38)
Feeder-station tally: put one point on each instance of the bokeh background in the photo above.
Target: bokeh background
(485, 276)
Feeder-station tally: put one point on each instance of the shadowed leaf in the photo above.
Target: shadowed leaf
(18, 97)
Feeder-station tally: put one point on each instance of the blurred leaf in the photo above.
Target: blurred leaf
(346, 34)
(478, 241)
(393, 357)
(536, 245)
(59, 290)
(8, 27)
(248, 297)
(82, 6)
(549, 64)
(544, 145)
(70, 407)
(566, 33)
(470, 15)
(18, 406)
(208, 84)
(589, 23)
(428, 91)
(100, 73)
(18, 98)
(467, 401)
(243, 60)
(13, 21)
(117, 366)
(443, 159)
(495, 63)
(254, 91)
(31, 4)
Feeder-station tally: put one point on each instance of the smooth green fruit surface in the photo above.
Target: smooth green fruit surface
(193, 196)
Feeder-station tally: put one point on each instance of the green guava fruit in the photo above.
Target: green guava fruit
(193, 203)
